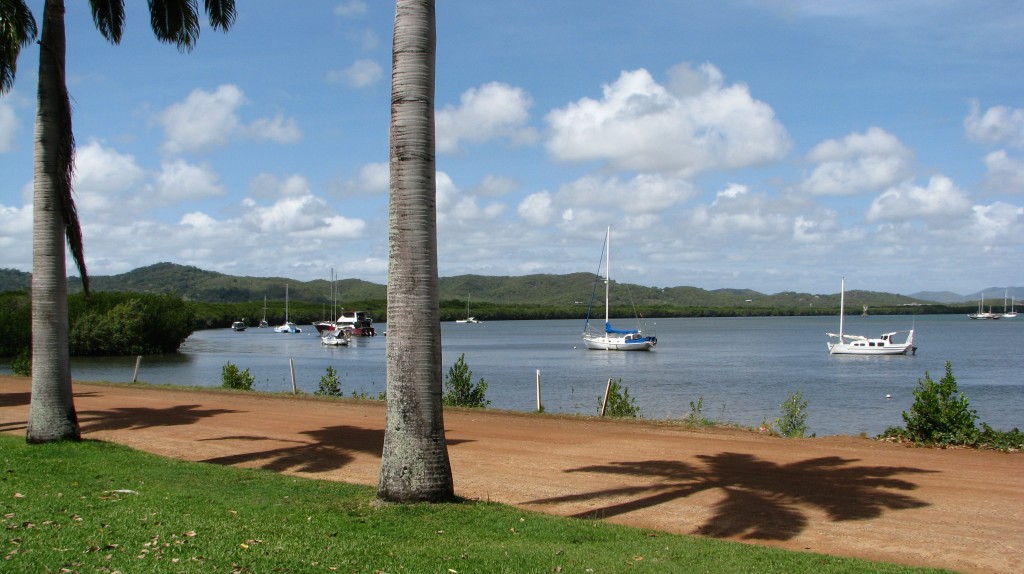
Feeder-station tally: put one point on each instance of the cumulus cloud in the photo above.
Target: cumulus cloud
(491, 112)
(537, 209)
(180, 180)
(1005, 173)
(462, 207)
(8, 126)
(103, 177)
(940, 200)
(296, 211)
(999, 223)
(998, 125)
(277, 129)
(360, 74)
(205, 120)
(594, 198)
(737, 210)
(697, 124)
(858, 163)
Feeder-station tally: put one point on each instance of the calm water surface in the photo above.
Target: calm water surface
(742, 367)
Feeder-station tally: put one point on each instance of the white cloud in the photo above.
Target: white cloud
(296, 211)
(940, 200)
(103, 179)
(205, 120)
(858, 163)
(996, 224)
(179, 180)
(737, 211)
(16, 236)
(278, 130)
(492, 111)
(999, 125)
(1005, 173)
(360, 74)
(640, 194)
(9, 127)
(462, 207)
(373, 179)
(699, 125)
(496, 186)
(537, 209)
(269, 186)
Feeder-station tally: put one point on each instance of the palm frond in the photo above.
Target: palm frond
(108, 15)
(17, 29)
(175, 21)
(66, 166)
(221, 13)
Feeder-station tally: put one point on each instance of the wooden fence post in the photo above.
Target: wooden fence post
(607, 389)
(540, 406)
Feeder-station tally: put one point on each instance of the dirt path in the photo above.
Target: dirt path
(957, 509)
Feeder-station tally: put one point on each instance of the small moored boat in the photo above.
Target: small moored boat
(612, 339)
(885, 344)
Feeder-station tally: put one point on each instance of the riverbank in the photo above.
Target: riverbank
(957, 509)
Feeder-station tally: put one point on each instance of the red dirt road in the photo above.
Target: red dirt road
(957, 509)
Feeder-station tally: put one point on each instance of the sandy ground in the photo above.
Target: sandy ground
(848, 496)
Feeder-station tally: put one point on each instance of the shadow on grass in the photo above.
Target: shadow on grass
(761, 500)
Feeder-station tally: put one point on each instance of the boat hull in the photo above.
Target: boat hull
(602, 343)
(849, 349)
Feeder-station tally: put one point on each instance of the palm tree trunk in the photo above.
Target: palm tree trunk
(414, 463)
(52, 410)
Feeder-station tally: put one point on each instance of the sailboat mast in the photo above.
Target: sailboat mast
(842, 307)
(607, 271)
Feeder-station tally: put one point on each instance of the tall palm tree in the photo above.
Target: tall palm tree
(52, 413)
(414, 463)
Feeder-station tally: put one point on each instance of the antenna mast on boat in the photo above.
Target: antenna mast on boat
(842, 307)
(607, 273)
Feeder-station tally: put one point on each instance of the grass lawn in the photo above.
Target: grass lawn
(100, 507)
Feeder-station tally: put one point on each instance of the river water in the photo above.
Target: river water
(742, 368)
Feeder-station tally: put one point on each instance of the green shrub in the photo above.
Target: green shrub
(696, 416)
(330, 384)
(459, 390)
(620, 404)
(22, 363)
(793, 422)
(232, 378)
(940, 413)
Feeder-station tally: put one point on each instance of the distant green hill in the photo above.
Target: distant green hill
(541, 289)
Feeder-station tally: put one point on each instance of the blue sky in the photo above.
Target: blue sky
(767, 144)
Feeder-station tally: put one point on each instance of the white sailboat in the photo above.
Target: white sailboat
(469, 318)
(1008, 313)
(611, 339)
(982, 313)
(288, 326)
(846, 344)
(263, 322)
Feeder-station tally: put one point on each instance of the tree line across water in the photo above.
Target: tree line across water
(128, 323)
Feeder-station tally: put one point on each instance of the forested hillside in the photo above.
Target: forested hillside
(573, 289)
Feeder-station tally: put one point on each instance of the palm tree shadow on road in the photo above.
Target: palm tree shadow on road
(327, 449)
(762, 500)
